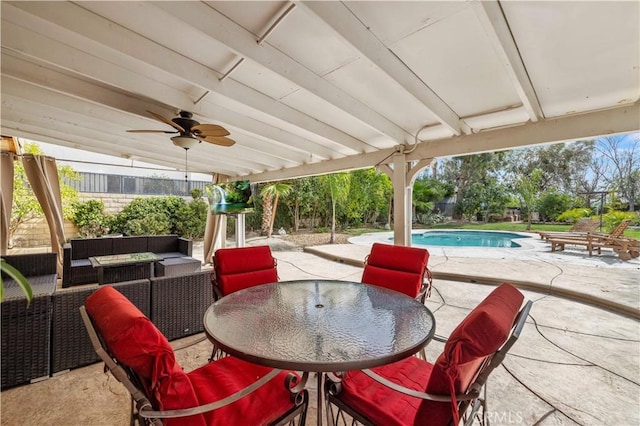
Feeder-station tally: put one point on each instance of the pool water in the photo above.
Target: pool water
(466, 239)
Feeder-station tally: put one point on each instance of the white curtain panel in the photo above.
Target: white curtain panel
(6, 198)
(215, 231)
(42, 173)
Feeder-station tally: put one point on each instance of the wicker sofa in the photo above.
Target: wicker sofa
(77, 268)
(48, 337)
(175, 304)
(26, 329)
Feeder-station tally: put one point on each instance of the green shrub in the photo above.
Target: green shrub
(574, 215)
(552, 204)
(196, 193)
(138, 217)
(90, 219)
(192, 219)
(613, 218)
(151, 224)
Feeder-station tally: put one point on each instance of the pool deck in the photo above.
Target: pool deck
(576, 363)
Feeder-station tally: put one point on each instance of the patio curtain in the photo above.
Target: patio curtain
(43, 178)
(6, 198)
(216, 227)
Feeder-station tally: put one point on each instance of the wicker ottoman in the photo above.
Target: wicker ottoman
(175, 266)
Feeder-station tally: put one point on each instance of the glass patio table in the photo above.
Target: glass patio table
(319, 326)
(124, 267)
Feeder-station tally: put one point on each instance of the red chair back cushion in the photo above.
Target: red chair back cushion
(483, 331)
(398, 268)
(135, 342)
(243, 267)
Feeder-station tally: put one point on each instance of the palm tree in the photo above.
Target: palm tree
(270, 193)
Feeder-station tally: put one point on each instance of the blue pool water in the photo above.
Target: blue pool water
(466, 239)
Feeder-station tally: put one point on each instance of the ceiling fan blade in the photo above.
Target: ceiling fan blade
(222, 141)
(150, 131)
(166, 120)
(209, 130)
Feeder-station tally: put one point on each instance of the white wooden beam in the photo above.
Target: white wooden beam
(243, 43)
(135, 47)
(351, 29)
(619, 120)
(590, 125)
(490, 15)
(21, 41)
(28, 103)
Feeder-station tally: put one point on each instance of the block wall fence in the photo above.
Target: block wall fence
(35, 232)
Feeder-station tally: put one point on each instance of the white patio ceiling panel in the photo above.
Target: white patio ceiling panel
(586, 58)
(332, 86)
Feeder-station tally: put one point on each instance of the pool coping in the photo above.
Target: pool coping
(603, 281)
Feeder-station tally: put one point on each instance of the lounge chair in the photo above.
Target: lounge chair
(417, 392)
(599, 240)
(580, 228)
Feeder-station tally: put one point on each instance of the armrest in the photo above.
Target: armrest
(185, 246)
(66, 264)
(471, 395)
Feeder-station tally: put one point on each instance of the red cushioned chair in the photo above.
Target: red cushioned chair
(239, 268)
(416, 392)
(398, 268)
(224, 392)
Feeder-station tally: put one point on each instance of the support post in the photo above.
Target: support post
(240, 242)
(401, 199)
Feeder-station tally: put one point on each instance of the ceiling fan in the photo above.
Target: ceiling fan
(190, 132)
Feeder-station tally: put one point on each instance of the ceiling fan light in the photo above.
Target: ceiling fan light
(185, 142)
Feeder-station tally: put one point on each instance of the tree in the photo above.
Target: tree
(368, 195)
(426, 192)
(562, 164)
(338, 185)
(25, 204)
(300, 200)
(270, 194)
(620, 155)
(470, 174)
(528, 188)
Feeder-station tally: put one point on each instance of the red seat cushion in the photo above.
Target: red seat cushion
(379, 403)
(231, 374)
(135, 342)
(239, 268)
(398, 268)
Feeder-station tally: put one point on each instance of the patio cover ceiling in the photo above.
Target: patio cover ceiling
(315, 87)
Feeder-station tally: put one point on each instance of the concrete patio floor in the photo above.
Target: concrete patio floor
(577, 361)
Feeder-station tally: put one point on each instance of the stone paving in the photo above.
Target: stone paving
(577, 361)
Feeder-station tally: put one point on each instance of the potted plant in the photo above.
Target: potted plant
(17, 276)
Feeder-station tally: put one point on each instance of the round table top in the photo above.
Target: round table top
(319, 325)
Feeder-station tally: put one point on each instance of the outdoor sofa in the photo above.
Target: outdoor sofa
(26, 328)
(77, 268)
(48, 336)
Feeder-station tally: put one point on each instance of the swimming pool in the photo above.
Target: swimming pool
(466, 239)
